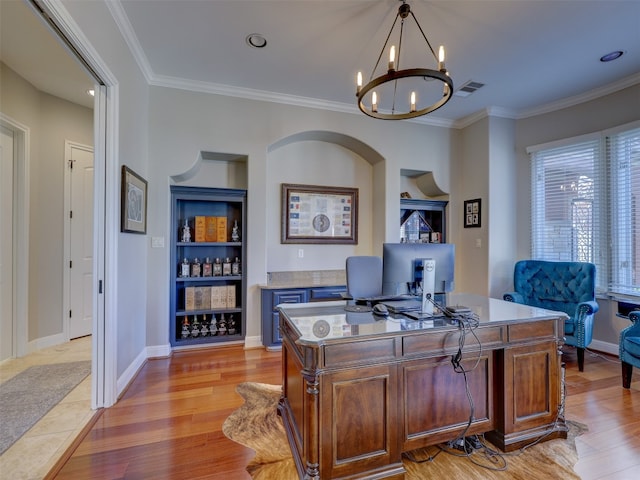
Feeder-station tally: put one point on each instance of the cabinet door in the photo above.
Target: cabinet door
(289, 296)
(359, 421)
(531, 387)
(324, 294)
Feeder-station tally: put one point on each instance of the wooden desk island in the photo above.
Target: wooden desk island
(359, 390)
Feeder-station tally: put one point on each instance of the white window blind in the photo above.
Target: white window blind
(585, 205)
(623, 154)
(566, 208)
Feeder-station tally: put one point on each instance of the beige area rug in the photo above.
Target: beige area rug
(256, 425)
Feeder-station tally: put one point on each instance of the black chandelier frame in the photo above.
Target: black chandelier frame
(394, 75)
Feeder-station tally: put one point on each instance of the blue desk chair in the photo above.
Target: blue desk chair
(364, 276)
(567, 287)
(630, 348)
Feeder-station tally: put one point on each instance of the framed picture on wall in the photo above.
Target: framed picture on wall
(316, 214)
(472, 213)
(133, 200)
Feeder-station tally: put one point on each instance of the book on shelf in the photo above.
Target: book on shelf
(200, 228)
(231, 296)
(189, 298)
(218, 300)
(211, 229)
(222, 229)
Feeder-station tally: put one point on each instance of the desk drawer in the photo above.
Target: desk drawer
(532, 330)
(367, 352)
(447, 341)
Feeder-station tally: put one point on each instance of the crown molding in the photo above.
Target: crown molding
(131, 39)
(582, 98)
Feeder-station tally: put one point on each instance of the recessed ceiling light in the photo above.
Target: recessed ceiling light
(91, 92)
(256, 40)
(609, 57)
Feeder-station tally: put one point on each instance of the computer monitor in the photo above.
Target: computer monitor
(399, 266)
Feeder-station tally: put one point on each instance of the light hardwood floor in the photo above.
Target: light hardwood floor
(168, 423)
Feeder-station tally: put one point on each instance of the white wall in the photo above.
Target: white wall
(282, 144)
(500, 212)
(51, 121)
(472, 177)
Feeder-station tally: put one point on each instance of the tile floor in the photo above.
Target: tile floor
(53, 434)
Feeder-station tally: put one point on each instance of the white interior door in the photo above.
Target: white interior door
(80, 239)
(6, 244)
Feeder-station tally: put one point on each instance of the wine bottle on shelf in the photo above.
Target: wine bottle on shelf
(222, 325)
(185, 236)
(235, 232)
(207, 268)
(235, 267)
(196, 268)
(185, 268)
(231, 325)
(213, 326)
(226, 267)
(204, 329)
(185, 327)
(217, 268)
(195, 327)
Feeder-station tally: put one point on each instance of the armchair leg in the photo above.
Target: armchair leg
(580, 358)
(627, 368)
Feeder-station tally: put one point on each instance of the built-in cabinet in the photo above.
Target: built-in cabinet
(208, 258)
(272, 297)
(423, 220)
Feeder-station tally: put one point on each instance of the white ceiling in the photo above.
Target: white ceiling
(532, 55)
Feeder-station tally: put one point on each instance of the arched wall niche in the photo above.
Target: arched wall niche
(319, 157)
(215, 169)
(346, 141)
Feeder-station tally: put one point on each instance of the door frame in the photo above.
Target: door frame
(106, 192)
(21, 143)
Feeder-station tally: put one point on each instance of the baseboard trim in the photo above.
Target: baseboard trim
(45, 342)
(252, 342)
(129, 374)
(606, 347)
(159, 351)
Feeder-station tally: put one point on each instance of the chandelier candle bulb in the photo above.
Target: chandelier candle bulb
(359, 82)
(374, 102)
(413, 101)
(441, 66)
(392, 57)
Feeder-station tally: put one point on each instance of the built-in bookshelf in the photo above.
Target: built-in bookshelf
(423, 220)
(208, 253)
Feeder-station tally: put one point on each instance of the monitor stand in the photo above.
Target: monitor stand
(428, 285)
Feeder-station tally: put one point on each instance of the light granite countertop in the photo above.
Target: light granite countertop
(304, 279)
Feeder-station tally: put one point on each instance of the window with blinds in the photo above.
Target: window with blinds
(623, 154)
(584, 206)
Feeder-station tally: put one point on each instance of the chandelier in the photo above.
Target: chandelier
(397, 94)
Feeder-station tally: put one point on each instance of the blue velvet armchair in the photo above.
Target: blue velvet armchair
(567, 287)
(630, 348)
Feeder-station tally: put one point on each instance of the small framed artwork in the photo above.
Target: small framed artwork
(133, 199)
(315, 214)
(472, 213)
